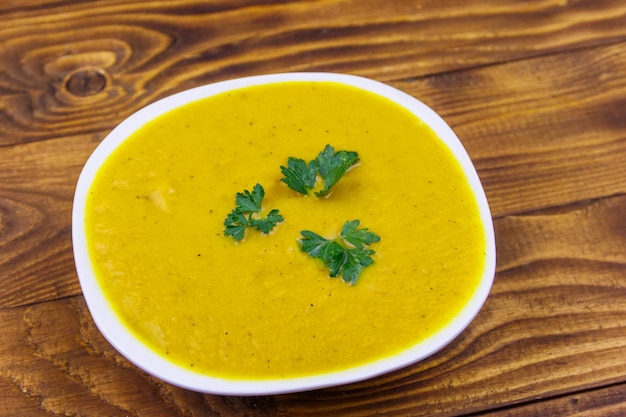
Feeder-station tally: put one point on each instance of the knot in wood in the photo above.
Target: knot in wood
(86, 83)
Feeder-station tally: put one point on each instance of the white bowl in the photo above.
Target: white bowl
(142, 356)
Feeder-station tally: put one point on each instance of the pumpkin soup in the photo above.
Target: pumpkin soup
(261, 307)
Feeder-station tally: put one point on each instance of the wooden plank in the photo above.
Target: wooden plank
(53, 361)
(67, 68)
(530, 151)
(541, 132)
(604, 402)
(553, 324)
(37, 183)
(547, 131)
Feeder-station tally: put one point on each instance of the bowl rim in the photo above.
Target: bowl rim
(139, 354)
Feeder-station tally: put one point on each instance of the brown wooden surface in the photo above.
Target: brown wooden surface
(536, 91)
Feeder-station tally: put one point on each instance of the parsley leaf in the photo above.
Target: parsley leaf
(246, 214)
(333, 165)
(329, 166)
(267, 224)
(299, 175)
(250, 201)
(347, 255)
(236, 224)
(357, 260)
(359, 238)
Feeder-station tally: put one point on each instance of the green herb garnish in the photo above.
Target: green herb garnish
(327, 169)
(247, 214)
(347, 255)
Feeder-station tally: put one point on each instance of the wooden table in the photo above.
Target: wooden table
(536, 91)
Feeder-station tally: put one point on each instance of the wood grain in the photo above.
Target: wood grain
(55, 362)
(127, 54)
(519, 126)
(37, 183)
(535, 90)
(555, 321)
(604, 402)
(520, 123)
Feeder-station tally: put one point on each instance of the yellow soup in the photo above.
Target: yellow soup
(262, 308)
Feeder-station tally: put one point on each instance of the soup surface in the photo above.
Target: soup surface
(261, 307)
